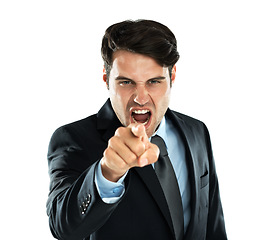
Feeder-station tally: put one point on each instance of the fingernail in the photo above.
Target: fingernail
(143, 162)
(136, 128)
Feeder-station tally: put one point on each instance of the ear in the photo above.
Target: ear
(173, 75)
(105, 76)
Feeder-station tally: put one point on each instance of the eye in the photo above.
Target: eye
(125, 83)
(154, 81)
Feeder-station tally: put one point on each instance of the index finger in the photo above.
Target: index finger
(139, 131)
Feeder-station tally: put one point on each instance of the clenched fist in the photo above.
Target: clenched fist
(129, 147)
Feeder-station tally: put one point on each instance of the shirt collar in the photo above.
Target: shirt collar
(162, 131)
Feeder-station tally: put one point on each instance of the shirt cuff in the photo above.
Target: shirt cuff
(110, 192)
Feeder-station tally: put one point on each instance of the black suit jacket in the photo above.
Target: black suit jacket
(76, 210)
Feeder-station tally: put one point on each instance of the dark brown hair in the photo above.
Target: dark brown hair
(145, 37)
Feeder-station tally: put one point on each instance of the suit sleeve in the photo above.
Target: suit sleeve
(74, 206)
(215, 223)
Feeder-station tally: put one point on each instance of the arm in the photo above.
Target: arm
(110, 192)
(74, 206)
(71, 185)
(215, 223)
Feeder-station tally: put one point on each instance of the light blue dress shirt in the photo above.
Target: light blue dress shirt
(111, 192)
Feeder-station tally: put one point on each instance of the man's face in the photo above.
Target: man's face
(139, 89)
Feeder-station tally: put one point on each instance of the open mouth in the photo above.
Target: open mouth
(141, 116)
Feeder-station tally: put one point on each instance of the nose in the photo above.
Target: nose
(142, 96)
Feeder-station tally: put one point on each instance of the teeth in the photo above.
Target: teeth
(140, 111)
(143, 111)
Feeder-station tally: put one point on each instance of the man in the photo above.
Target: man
(108, 171)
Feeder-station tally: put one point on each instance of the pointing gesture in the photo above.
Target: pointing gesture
(129, 147)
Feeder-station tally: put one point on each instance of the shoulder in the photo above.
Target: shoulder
(191, 127)
(78, 127)
(74, 133)
(185, 117)
(91, 123)
(187, 120)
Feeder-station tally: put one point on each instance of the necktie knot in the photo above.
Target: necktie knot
(161, 144)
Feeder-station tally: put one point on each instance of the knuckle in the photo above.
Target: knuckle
(131, 158)
(155, 149)
(120, 131)
(121, 165)
(112, 160)
(110, 142)
(113, 141)
(139, 148)
(153, 154)
(107, 152)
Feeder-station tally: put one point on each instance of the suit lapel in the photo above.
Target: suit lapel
(188, 138)
(107, 121)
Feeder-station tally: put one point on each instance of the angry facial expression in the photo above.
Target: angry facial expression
(139, 89)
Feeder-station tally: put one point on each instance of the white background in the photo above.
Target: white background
(51, 74)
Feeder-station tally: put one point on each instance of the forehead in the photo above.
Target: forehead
(134, 65)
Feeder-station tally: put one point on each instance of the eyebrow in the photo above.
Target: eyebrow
(123, 78)
(129, 79)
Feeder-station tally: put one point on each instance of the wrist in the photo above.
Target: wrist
(109, 173)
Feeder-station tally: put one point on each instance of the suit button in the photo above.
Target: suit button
(82, 210)
(85, 204)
